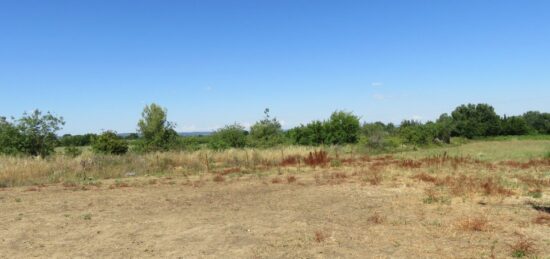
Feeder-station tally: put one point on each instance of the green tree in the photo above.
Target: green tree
(230, 136)
(76, 140)
(110, 143)
(38, 132)
(312, 134)
(158, 133)
(444, 128)
(267, 132)
(10, 138)
(538, 122)
(476, 121)
(416, 133)
(514, 125)
(342, 128)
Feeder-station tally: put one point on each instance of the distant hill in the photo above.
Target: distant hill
(195, 133)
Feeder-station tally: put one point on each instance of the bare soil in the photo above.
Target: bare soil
(256, 217)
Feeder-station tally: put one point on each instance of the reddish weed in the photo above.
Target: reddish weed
(410, 164)
(375, 178)
(290, 160)
(231, 171)
(276, 180)
(320, 236)
(317, 158)
(290, 179)
(218, 178)
(542, 219)
(523, 247)
(425, 177)
(479, 223)
(376, 218)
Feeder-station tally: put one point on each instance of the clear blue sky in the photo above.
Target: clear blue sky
(210, 63)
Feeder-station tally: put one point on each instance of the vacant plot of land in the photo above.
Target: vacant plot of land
(281, 205)
(332, 215)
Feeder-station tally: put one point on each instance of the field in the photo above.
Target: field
(484, 199)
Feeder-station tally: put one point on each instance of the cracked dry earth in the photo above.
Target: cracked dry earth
(255, 218)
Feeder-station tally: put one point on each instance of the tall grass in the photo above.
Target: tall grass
(16, 171)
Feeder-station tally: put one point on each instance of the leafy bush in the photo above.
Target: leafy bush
(76, 140)
(72, 151)
(267, 132)
(10, 138)
(416, 133)
(229, 136)
(312, 134)
(109, 143)
(342, 128)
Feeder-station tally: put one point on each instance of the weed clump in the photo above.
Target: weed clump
(320, 236)
(376, 218)
(87, 216)
(276, 180)
(291, 179)
(523, 247)
(290, 160)
(478, 224)
(317, 158)
(218, 178)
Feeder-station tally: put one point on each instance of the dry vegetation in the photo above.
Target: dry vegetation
(294, 202)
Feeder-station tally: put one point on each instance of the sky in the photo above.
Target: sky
(211, 63)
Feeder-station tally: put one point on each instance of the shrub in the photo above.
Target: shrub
(76, 140)
(342, 128)
(312, 134)
(10, 138)
(230, 136)
(416, 133)
(72, 151)
(109, 143)
(267, 132)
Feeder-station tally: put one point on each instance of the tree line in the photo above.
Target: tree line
(35, 133)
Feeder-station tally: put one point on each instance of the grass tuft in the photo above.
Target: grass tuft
(320, 236)
(523, 247)
(475, 224)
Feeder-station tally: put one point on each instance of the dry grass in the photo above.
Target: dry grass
(320, 236)
(523, 247)
(291, 179)
(276, 180)
(476, 223)
(218, 178)
(542, 219)
(376, 218)
(413, 207)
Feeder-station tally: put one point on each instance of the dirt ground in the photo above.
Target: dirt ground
(260, 218)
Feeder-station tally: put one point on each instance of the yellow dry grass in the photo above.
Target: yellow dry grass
(257, 204)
